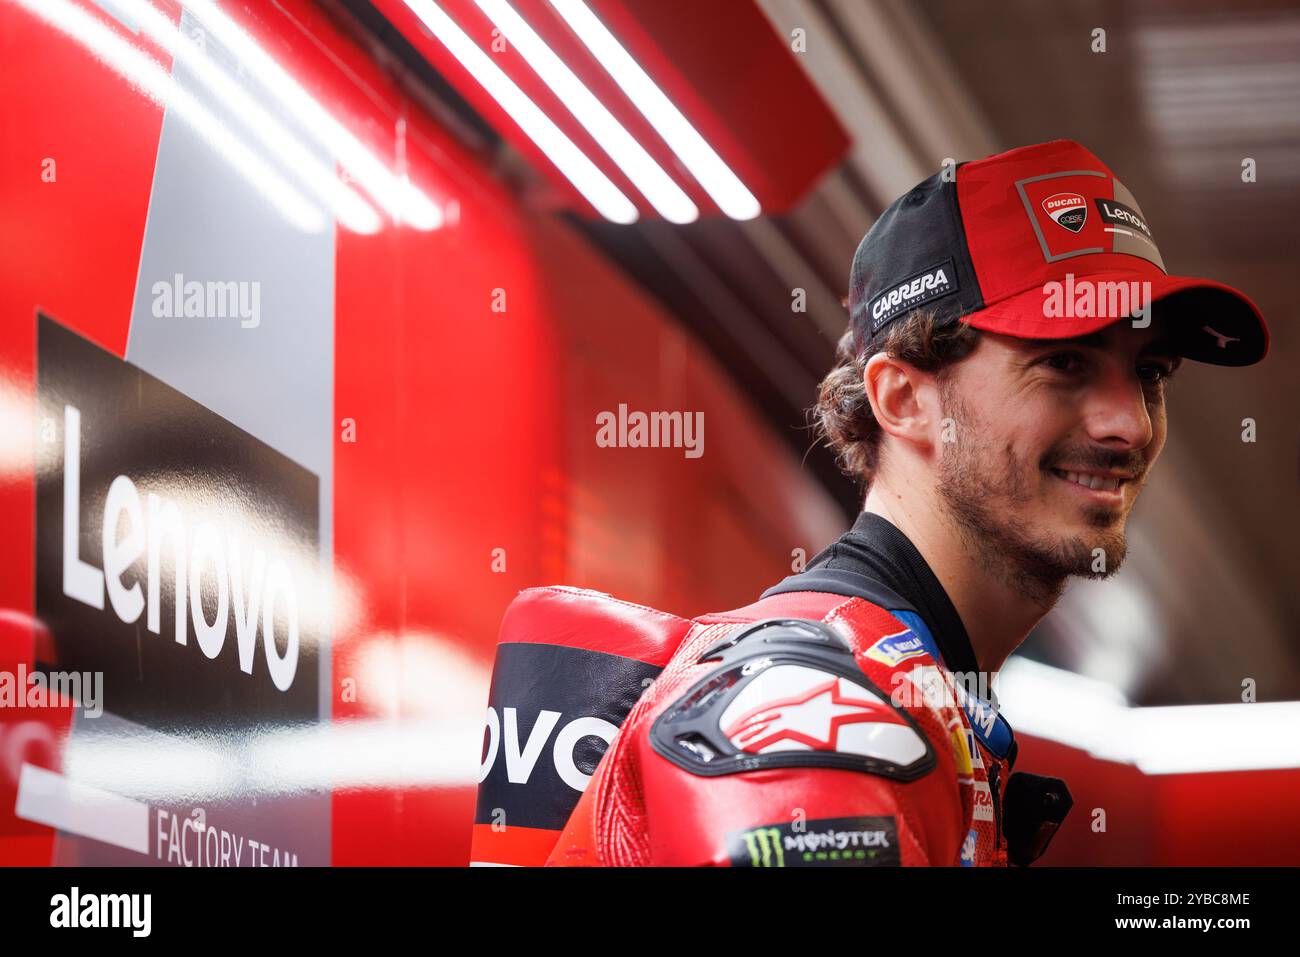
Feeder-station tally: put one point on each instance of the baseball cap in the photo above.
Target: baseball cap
(1040, 242)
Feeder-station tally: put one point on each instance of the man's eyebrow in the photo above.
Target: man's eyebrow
(1093, 340)
(1161, 345)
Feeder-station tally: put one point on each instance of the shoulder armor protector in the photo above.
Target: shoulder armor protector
(787, 693)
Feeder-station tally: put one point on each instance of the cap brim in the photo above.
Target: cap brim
(1206, 320)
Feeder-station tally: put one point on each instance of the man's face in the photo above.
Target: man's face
(1052, 441)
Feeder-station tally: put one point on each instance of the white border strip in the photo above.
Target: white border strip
(51, 799)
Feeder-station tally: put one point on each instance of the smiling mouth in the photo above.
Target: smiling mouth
(1088, 480)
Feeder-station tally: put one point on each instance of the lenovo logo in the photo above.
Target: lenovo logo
(248, 589)
(521, 757)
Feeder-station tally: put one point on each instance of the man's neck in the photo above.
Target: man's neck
(997, 615)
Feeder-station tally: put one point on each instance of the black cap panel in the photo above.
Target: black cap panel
(915, 254)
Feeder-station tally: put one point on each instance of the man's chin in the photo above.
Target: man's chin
(1094, 552)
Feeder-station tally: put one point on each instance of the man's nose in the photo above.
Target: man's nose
(1118, 414)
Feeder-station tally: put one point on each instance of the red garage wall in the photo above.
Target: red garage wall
(460, 428)
(469, 365)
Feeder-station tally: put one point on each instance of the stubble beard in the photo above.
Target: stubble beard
(984, 492)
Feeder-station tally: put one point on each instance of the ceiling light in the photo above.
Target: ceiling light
(586, 177)
(647, 175)
(722, 185)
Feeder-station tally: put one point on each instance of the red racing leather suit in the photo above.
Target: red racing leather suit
(818, 726)
(913, 786)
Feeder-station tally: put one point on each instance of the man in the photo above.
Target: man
(1000, 392)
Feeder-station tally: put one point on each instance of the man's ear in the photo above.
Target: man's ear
(904, 399)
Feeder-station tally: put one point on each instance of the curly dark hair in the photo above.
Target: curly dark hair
(843, 418)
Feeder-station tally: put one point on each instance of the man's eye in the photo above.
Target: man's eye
(1065, 361)
(1155, 373)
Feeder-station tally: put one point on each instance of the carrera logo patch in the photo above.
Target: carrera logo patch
(825, 842)
(933, 283)
(1068, 210)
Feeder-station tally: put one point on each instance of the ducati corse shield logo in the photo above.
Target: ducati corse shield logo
(1067, 209)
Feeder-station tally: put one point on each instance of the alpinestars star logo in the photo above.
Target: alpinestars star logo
(812, 718)
(1067, 209)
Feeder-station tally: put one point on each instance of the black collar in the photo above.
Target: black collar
(876, 561)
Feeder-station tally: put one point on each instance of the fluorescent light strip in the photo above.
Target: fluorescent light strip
(348, 206)
(1190, 739)
(395, 194)
(722, 185)
(151, 79)
(647, 175)
(586, 177)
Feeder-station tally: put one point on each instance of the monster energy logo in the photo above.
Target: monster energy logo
(829, 842)
(763, 844)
